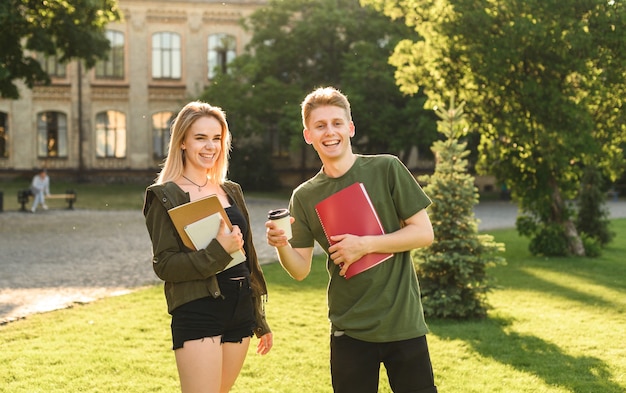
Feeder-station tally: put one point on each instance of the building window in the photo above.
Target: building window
(166, 56)
(221, 51)
(111, 134)
(52, 66)
(4, 130)
(113, 67)
(51, 134)
(161, 123)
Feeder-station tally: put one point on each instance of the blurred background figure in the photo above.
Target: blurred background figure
(40, 187)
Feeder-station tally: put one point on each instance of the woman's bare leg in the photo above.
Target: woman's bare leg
(233, 356)
(199, 365)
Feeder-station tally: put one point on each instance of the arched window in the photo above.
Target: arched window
(166, 56)
(51, 134)
(113, 67)
(111, 134)
(222, 50)
(161, 123)
(4, 131)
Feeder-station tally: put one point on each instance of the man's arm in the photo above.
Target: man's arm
(416, 232)
(296, 261)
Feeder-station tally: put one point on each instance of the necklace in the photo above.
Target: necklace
(196, 184)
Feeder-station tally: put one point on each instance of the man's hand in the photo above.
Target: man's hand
(346, 250)
(276, 237)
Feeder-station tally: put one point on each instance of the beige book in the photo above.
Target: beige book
(204, 230)
(191, 212)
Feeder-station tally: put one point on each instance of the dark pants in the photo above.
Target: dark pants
(355, 365)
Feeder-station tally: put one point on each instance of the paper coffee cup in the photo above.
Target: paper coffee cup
(282, 219)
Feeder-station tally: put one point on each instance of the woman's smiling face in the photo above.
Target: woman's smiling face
(203, 143)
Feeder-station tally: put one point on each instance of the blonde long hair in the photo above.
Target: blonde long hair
(174, 163)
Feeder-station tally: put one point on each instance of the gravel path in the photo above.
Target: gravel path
(53, 259)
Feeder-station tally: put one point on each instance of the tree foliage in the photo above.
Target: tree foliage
(453, 270)
(69, 29)
(545, 83)
(593, 216)
(298, 45)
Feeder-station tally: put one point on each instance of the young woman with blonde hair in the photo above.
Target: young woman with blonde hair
(214, 311)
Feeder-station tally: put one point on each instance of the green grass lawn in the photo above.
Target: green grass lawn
(557, 325)
(97, 196)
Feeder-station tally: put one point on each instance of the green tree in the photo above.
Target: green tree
(545, 82)
(69, 29)
(593, 216)
(453, 270)
(298, 45)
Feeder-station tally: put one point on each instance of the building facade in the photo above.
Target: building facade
(113, 120)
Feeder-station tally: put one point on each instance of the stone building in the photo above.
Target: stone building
(112, 121)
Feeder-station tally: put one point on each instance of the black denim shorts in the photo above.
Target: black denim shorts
(230, 316)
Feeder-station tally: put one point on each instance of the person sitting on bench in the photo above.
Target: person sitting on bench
(40, 187)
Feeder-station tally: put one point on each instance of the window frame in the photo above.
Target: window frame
(4, 135)
(51, 65)
(114, 67)
(52, 134)
(161, 133)
(166, 56)
(111, 135)
(221, 51)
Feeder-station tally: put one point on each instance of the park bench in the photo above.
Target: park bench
(24, 196)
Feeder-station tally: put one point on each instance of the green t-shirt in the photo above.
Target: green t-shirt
(381, 304)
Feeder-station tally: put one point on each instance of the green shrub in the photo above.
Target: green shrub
(526, 226)
(453, 270)
(550, 240)
(593, 247)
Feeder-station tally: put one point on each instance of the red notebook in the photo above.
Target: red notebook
(350, 211)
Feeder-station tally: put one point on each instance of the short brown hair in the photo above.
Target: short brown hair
(324, 96)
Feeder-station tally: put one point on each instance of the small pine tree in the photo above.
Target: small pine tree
(453, 270)
(593, 217)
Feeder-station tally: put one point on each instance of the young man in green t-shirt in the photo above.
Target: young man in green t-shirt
(376, 316)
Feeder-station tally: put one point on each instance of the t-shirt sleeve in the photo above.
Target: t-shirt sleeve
(301, 228)
(407, 194)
